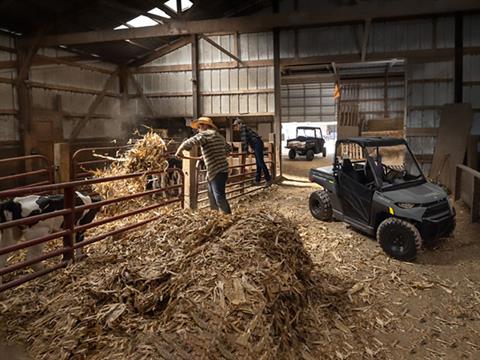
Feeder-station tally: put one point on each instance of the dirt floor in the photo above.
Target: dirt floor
(431, 307)
(427, 309)
(298, 168)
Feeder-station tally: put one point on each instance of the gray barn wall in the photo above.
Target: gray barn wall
(225, 91)
(107, 122)
(8, 101)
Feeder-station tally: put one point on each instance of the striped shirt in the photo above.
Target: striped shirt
(214, 151)
(248, 136)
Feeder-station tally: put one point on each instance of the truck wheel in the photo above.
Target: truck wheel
(451, 228)
(324, 152)
(399, 239)
(310, 155)
(320, 205)
(292, 154)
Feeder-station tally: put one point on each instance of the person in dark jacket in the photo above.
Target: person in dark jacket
(251, 139)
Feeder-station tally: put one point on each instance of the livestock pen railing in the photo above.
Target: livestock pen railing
(241, 174)
(86, 160)
(32, 170)
(70, 228)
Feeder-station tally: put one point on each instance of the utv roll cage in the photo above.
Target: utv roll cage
(374, 142)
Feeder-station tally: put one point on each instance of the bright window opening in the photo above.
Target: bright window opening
(120, 27)
(159, 12)
(141, 21)
(172, 4)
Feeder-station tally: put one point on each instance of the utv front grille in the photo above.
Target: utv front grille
(436, 209)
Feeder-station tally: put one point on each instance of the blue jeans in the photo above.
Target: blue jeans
(216, 193)
(261, 166)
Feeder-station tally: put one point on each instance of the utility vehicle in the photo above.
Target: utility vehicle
(308, 142)
(377, 186)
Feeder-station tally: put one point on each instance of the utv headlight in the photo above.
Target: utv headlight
(406, 205)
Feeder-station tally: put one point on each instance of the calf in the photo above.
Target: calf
(26, 206)
(165, 179)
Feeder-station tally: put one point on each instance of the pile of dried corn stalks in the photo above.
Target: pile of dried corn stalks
(149, 153)
(203, 286)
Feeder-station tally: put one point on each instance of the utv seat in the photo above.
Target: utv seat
(349, 170)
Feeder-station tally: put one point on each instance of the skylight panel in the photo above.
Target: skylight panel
(159, 12)
(141, 21)
(172, 4)
(120, 27)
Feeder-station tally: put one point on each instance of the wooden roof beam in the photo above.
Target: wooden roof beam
(333, 15)
(221, 48)
(161, 51)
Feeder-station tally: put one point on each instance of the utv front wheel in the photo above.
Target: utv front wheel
(310, 155)
(324, 152)
(320, 205)
(399, 239)
(292, 154)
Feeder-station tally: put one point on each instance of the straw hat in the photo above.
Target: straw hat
(203, 120)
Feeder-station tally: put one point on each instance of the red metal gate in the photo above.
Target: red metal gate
(70, 228)
(34, 170)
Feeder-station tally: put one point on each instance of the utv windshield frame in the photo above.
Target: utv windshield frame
(377, 142)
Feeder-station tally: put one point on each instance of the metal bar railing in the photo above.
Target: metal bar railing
(70, 228)
(45, 170)
(233, 186)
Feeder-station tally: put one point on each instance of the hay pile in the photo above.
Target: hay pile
(203, 286)
(148, 153)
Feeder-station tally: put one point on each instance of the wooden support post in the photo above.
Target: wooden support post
(189, 167)
(458, 184)
(458, 80)
(62, 165)
(123, 89)
(190, 186)
(475, 210)
(195, 77)
(271, 155)
(242, 170)
(277, 126)
(229, 130)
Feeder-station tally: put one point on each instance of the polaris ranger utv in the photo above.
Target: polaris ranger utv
(377, 186)
(308, 142)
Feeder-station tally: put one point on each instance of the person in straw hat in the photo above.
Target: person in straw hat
(214, 152)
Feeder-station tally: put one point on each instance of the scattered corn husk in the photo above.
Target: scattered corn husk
(149, 153)
(207, 285)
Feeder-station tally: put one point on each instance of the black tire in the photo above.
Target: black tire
(310, 155)
(320, 205)
(292, 154)
(451, 228)
(324, 151)
(399, 239)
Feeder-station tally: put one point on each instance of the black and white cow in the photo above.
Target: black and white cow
(26, 206)
(162, 180)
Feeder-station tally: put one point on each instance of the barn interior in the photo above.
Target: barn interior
(97, 95)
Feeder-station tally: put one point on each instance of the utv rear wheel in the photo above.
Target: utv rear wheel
(399, 239)
(320, 205)
(292, 154)
(310, 155)
(324, 152)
